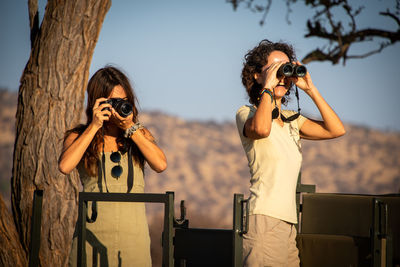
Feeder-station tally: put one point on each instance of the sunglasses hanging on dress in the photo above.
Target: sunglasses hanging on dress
(117, 170)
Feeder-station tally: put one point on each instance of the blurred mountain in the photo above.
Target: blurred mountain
(207, 165)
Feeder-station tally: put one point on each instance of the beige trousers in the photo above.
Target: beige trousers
(270, 242)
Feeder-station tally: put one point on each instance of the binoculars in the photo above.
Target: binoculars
(291, 70)
(123, 107)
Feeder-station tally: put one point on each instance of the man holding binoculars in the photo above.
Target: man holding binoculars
(271, 137)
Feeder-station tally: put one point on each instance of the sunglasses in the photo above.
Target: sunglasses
(116, 171)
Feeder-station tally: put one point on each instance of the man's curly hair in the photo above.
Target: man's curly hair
(257, 58)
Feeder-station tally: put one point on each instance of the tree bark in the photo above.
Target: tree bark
(12, 253)
(50, 101)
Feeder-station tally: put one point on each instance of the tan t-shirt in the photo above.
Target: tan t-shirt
(274, 164)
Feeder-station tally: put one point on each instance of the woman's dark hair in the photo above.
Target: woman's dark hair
(100, 85)
(255, 60)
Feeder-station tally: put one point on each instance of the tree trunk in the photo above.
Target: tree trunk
(12, 253)
(50, 101)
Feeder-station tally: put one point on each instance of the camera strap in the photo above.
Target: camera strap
(93, 217)
(130, 167)
(298, 101)
(296, 115)
(276, 113)
(102, 173)
(103, 161)
(130, 170)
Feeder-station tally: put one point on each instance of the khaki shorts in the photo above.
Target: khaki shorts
(270, 242)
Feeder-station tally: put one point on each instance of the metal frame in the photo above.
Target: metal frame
(167, 199)
(240, 223)
(240, 227)
(381, 241)
(34, 246)
(381, 237)
(300, 189)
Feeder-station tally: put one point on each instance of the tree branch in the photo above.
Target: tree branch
(319, 55)
(358, 36)
(266, 10)
(339, 36)
(316, 30)
(382, 46)
(391, 15)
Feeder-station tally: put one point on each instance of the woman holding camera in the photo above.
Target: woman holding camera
(270, 137)
(109, 152)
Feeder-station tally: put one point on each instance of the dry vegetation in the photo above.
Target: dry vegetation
(207, 165)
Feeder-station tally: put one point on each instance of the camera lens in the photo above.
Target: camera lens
(124, 109)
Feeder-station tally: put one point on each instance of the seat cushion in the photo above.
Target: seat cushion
(337, 214)
(331, 250)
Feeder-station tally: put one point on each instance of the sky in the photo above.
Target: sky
(184, 57)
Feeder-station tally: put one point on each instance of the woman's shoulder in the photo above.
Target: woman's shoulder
(243, 114)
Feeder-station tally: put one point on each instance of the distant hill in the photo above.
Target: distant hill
(207, 165)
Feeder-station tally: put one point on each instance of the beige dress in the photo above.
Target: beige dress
(120, 234)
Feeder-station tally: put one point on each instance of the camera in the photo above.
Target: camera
(291, 70)
(123, 107)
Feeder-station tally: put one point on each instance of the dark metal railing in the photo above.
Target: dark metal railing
(240, 225)
(167, 199)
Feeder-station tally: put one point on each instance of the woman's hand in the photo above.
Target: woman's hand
(101, 112)
(331, 126)
(121, 122)
(75, 145)
(304, 83)
(153, 154)
(268, 77)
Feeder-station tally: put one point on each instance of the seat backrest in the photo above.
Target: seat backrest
(337, 214)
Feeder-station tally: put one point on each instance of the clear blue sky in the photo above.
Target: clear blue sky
(184, 58)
